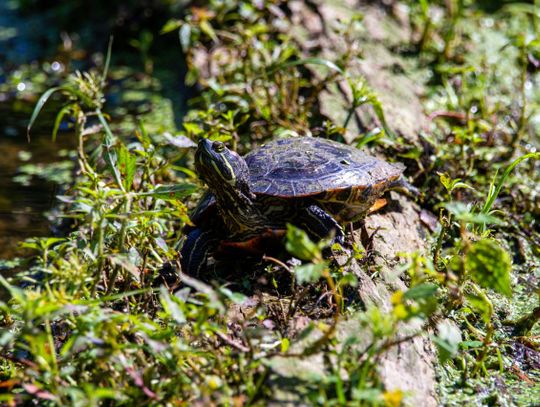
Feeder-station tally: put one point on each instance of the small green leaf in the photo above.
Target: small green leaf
(170, 25)
(309, 273)
(124, 262)
(127, 164)
(207, 28)
(479, 305)
(300, 245)
(193, 128)
(237, 298)
(465, 214)
(285, 343)
(171, 306)
(489, 265)
(470, 344)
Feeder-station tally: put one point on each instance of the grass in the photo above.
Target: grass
(102, 320)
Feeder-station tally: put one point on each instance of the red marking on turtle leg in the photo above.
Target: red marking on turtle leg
(256, 245)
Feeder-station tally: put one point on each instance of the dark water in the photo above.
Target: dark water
(29, 38)
(22, 206)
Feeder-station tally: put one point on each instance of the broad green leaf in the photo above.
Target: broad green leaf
(171, 306)
(447, 340)
(123, 261)
(480, 306)
(193, 128)
(489, 265)
(309, 273)
(465, 214)
(421, 291)
(300, 245)
(372, 396)
(237, 298)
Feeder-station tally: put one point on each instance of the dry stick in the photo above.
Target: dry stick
(278, 262)
(232, 342)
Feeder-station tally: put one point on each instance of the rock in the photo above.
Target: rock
(409, 366)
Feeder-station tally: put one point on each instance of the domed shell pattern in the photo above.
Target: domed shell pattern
(306, 166)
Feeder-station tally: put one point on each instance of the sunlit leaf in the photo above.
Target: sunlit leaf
(309, 273)
(300, 245)
(172, 191)
(170, 25)
(171, 306)
(39, 105)
(421, 291)
(59, 117)
(127, 164)
(489, 265)
(464, 213)
(447, 340)
(494, 192)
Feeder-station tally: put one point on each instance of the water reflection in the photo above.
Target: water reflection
(24, 200)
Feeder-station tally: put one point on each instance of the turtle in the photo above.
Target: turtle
(310, 182)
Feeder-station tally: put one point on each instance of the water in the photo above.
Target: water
(22, 207)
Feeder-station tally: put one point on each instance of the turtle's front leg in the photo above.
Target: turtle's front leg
(194, 252)
(319, 224)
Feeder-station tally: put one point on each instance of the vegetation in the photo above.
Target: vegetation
(103, 315)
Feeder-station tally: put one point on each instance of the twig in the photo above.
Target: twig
(232, 342)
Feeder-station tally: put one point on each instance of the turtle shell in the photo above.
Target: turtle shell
(307, 166)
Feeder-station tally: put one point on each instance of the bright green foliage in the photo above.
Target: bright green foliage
(300, 245)
(101, 321)
(489, 265)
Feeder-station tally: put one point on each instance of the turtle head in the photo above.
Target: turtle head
(223, 170)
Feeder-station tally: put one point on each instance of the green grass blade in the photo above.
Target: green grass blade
(39, 105)
(493, 196)
(107, 61)
(59, 118)
(109, 153)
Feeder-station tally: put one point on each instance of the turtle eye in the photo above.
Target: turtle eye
(218, 146)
